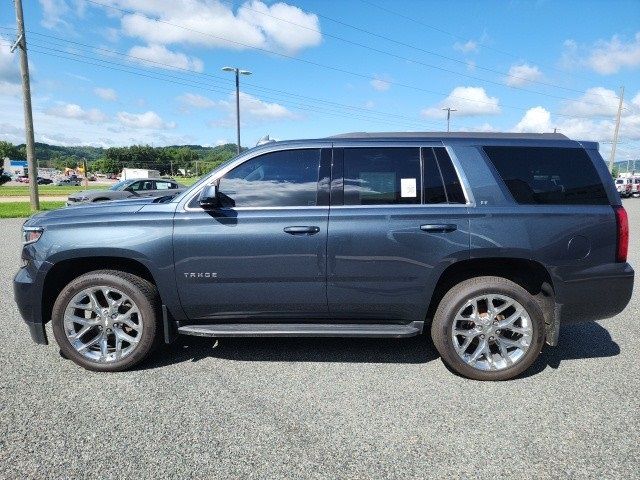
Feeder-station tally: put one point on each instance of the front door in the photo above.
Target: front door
(263, 254)
(397, 219)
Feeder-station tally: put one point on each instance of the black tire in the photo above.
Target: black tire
(142, 292)
(454, 300)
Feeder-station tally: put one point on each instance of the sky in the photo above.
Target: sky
(121, 72)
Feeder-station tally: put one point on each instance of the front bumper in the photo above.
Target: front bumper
(27, 291)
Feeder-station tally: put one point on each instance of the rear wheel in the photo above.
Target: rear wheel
(488, 328)
(106, 320)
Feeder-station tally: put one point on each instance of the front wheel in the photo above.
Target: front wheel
(488, 328)
(106, 320)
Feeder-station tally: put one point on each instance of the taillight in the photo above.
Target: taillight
(622, 224)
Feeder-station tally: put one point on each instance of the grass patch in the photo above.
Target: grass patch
(44, 190)
(23, 209)
(186, 181)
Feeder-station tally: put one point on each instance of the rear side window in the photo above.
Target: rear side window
(382, 176)
(548, 175)
(441, 182)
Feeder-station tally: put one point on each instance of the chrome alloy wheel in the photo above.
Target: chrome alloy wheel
(103, 324)
(492, 332)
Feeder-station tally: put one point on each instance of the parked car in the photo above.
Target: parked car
(44, 181)
(635, 186)
(488, 241)
(67, 181)
(624, 186)
(22, 179)
(144, 187)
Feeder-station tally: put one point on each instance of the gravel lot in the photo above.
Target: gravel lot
(319, 408)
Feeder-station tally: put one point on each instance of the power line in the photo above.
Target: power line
(413, 123)
(348, 72)
(309, 62)
(453, 35)
(114, 52)
(397, 42)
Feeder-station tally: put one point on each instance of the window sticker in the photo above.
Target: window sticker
(408, 187)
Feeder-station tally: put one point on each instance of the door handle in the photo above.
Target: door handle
(306, 230)
(439, 227)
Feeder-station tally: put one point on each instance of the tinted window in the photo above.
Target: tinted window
(288, 178)
(449, 177)
(433, 186)
(381, 176)
(544, 175)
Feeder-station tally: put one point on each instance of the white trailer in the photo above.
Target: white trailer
(130, 173)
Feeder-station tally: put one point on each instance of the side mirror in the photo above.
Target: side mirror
(209, 196)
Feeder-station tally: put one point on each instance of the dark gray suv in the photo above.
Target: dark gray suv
(490, 241)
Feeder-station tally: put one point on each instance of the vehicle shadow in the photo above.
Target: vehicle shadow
(580, 340)
(577, 340)
(353, 350)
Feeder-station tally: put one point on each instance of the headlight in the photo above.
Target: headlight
(31, 234)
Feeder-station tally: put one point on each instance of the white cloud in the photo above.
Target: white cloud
(214, 24)
(468, 47)
(522, 74)
(147, 120)
(535, 120)
(252, 110)
(605, 57)
(468, 101)
(380, 83)
(76, 112)
(596, 102)
(53, 13)
(195, 101)
(9, 71)
(160, 57)
(540, 120)
(108, 94)
(636, 100)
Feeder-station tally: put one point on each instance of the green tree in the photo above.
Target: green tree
(8, 149)
(105, 165)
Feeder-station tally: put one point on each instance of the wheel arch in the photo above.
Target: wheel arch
(64, 271)
(529, 274)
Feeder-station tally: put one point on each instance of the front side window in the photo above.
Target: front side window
(382, 176)
(548, 175)
(288, 178)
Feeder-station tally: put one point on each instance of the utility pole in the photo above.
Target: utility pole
(449, 110)
(21, 43)
(84, 169)
(238, 72)
(615, 133)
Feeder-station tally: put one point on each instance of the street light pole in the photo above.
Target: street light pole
(238, 72)
(449, 110)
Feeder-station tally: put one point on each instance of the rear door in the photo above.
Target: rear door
(398, 218)
(262, 255)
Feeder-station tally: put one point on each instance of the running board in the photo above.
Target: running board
(385, 330)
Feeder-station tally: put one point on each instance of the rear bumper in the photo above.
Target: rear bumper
(27, 292)
(594, 294)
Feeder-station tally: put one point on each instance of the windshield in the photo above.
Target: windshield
(119, 185)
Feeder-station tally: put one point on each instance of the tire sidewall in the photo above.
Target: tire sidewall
(449, 307)
(145, 306)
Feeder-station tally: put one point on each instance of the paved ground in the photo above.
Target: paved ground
(320, 408)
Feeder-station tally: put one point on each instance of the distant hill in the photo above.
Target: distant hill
(46, 152)
(625, 166)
